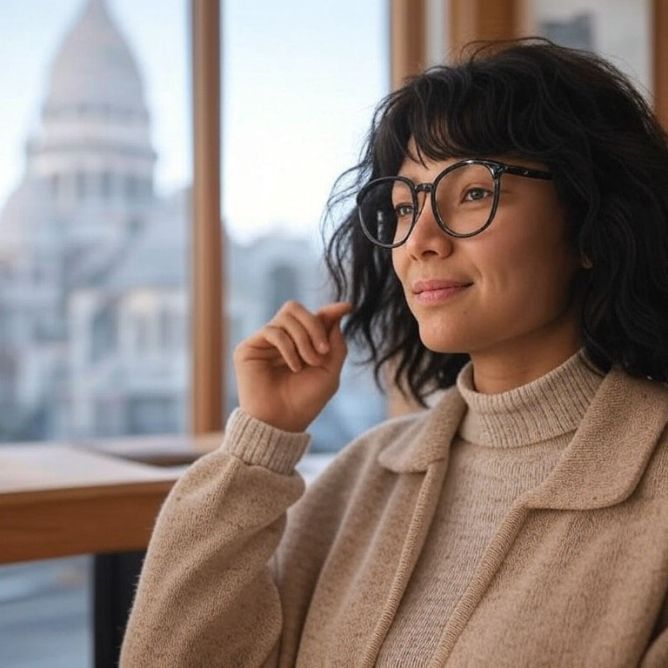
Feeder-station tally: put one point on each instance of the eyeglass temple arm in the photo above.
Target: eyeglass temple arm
(530, 173)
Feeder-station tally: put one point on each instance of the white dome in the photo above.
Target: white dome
(94, 67)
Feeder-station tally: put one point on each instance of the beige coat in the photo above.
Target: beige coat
(576, 574)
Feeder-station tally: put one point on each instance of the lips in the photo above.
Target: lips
(436, 284)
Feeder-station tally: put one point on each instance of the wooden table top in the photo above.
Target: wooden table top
(60, 499)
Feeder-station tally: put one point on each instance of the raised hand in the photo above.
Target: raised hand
(285, 376)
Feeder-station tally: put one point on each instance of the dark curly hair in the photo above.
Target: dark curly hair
(566, 108)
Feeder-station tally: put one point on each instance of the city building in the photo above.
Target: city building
(94, 268)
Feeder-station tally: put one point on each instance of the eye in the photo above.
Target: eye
(476, 194)
(403, 210)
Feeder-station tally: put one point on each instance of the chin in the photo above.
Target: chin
(444, 342)
(442, 331)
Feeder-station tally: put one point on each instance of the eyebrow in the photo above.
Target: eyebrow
(454, 162)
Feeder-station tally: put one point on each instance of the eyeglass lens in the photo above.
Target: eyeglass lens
(464, 199)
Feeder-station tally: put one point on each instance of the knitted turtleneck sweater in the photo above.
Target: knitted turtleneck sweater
(507, 443)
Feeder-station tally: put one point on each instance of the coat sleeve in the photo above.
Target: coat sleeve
(207, 594)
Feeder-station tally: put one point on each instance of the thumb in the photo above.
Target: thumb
(333, 312)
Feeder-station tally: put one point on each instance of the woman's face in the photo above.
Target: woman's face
(519, 270)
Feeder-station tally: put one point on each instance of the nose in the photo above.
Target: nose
(427, 236)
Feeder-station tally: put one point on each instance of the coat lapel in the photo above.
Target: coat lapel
(602, 464)
(428, 439)
(609, 452)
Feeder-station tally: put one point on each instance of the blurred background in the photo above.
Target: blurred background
(96, 212)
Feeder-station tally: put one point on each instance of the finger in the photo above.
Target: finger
(279, 338)
(333, 312)
(300, 336)
(313, 325)
(257, 346)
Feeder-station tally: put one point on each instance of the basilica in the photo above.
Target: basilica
(94, 266)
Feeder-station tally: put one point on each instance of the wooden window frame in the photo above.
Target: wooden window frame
(80, 523)
(208, 362)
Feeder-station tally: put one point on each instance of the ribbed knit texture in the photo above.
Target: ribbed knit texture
(255, 442)
(507, 444)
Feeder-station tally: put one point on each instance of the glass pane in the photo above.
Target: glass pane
(299, 85)
(94, 206)
(45, 614)
(616, 29)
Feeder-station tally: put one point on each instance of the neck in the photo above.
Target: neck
(520, 361)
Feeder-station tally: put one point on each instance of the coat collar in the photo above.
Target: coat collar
(602, 464)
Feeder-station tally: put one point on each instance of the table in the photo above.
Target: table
(61, 499)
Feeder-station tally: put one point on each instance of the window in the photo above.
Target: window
(618, 30)
(283, 284)
(296, 106)
(91, 214)
(151, 415)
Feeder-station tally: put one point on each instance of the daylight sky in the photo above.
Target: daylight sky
(300, 80)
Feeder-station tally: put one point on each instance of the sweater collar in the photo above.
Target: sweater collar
(549, 406)
(601, 465)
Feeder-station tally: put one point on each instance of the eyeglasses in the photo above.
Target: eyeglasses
(464, 199)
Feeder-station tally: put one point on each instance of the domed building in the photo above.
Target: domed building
(92, 153)
(86, 197)
(94, 268)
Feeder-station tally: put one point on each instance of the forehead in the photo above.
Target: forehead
(425, 168)
(416, 169)
(418, 166)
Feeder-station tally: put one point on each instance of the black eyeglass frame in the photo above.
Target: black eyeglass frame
(496, 168)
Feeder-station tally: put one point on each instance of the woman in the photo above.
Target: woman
(507, 246)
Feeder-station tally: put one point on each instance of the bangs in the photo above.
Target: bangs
(461, 112)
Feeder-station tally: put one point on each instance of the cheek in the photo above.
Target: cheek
(535, 281)
(531, 261)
